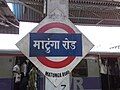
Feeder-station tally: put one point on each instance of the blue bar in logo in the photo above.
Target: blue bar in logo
(55, 44)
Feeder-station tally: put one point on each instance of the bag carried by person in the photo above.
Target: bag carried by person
(17, 78)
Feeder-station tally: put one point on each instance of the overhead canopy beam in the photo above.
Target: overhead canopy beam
(93, 12)
(4, 21)
(8, 22)
(20, 2)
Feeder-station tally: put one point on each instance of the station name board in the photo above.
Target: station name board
(55, 44)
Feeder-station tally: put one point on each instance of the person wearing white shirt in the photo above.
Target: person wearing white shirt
(24, 80)
(17, 76)
(24, 69)
(104, 74)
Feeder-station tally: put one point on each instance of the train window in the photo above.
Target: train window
(81, 69)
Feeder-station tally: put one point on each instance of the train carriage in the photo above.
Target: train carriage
(85, 76)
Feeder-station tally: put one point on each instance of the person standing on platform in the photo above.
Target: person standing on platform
(24, 77)
(33, 79)
(17, 76)
(104, 74)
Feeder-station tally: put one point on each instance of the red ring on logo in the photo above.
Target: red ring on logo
(48, 62)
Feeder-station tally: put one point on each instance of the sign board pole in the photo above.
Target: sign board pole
(63, 6)
(64, 85)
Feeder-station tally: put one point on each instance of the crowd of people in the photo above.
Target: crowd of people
(25, 76)
(110, 74)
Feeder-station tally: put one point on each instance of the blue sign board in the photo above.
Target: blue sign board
(55, 44)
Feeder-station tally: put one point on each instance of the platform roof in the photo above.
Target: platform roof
(81, 12)
(8, 22)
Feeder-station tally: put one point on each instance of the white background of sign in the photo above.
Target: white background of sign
(23, 45)
(64, 85)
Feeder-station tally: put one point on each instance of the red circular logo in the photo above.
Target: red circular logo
(45, 61)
